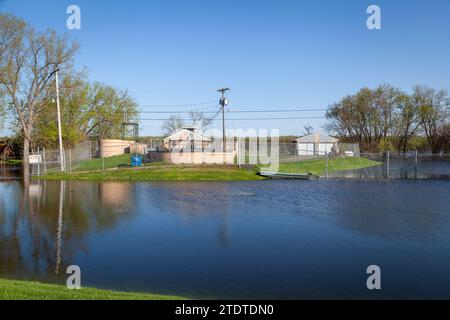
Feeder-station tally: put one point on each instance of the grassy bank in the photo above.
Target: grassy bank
(318, 166)
(26, 290)
(161, 173)
(105, 163)
(116, 169)
(12, 162)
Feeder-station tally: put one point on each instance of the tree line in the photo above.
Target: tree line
(28, 62)
(388, 119)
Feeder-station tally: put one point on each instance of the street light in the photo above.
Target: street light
(58, 109)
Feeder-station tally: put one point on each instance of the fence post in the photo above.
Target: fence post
(70, 160)
(387, 164)
(43, 161)
(77, 164)
(415, 164)
(326, 164)
(63, 160)
(401, 165)
(238, 153)
(39, 163)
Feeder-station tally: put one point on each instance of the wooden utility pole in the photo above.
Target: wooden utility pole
(223, 103)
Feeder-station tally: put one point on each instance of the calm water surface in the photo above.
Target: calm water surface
(263, 239)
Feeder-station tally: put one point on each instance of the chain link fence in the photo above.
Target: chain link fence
(389, 165)
(86, 156)
(44, 161)
(347, 162)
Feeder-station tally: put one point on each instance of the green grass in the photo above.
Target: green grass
(317, 166)
(106, 163)
(26, 290)
(93, 170)
(12, 162)
(161, 173)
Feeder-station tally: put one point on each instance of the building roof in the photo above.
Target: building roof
(317, 138)
(192, 134)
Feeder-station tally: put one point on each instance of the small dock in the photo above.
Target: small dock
(280, 175)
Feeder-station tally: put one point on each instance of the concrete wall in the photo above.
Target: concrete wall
(116, 147)
(315, 149)
(193, 157)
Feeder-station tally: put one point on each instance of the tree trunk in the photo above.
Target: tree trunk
(26, 151)
(26, 160)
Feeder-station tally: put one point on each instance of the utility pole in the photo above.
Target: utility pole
(223, 103)
(61, 150)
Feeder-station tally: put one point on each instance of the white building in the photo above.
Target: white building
(187, 140)
(316, 144)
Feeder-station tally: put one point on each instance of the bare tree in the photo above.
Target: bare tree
(407, 122)
(199, 120)
(385, 101)
(27, 64)
(172, 124)
(371, 117)
(447, 137)
(434, 111)
(357, 118)
(308, 129)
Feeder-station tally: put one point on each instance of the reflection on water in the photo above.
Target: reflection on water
(270, 239)
(9, 172)
(399, 169)
(44, 224)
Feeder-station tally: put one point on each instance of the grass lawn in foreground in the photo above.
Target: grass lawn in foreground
(161, 173)
(26, 290)
(317, 166)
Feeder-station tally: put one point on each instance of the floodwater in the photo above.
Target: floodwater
(261, 239)
(399, 169)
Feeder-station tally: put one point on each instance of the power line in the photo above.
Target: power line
(288, 109)
(280, 110)
(245, 119)
(216, 113)
(182, 111)
(239, 111)
(178, 105)
(278, 107)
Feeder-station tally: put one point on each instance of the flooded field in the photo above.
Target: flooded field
(263, 239)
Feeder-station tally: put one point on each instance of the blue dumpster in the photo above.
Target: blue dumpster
(136, 160)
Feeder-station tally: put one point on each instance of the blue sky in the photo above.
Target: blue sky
(272, 54)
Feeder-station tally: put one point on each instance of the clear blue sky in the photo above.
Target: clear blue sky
(272, 54)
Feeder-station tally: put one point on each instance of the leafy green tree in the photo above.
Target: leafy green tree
(385, 145)
(434, 112)
(89, 111)
(2, 114)
(74, 89)
(106, 110)
(28, 60)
